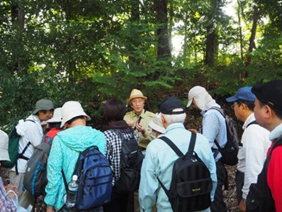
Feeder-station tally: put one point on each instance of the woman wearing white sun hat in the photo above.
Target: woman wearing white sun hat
(65, 150)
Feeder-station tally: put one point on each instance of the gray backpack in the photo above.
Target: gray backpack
(35, 178)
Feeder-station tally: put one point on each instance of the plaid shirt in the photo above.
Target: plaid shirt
(113, 151)
(6, 203)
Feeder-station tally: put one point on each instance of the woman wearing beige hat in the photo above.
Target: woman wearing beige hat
(139, 118)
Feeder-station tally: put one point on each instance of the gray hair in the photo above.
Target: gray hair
(175, 118)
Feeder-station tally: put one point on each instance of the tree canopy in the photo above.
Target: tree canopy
(90, 51)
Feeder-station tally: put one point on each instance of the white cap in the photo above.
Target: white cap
(156, 123)
(195, 91)
(4, 145)
(72, 109)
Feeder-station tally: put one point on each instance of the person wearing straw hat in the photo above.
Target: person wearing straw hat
(65, 150)
(139, 118)
(31, 134)
(6, 200)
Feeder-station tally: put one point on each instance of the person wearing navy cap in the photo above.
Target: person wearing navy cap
(266, 194)
(159, 158)
(253, 146)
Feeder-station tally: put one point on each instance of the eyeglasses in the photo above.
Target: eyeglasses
(137, 101)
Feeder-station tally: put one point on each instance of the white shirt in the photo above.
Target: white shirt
(252, 154)
(30, 131)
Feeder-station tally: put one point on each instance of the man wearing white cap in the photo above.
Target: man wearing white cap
(139, 118)
(31, 134)
(214, 128)
(65, 150)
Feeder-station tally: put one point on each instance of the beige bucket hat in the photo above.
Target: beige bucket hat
(135, 93)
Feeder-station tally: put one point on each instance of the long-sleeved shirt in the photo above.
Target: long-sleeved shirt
(146, 116)
(30, 131)
(214, 128)
(113, 150)
(6, 203)
(274, 171)
(251, 156)
(64, 153)
(159, 160)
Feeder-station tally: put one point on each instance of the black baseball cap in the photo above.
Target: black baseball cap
(270, 93)
(170, 104)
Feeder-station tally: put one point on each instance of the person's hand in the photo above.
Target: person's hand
(130, 123)
(140, 128)
(50, 209)
(11, 187)
(194, 130)
(242, 206)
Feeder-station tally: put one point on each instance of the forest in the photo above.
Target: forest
(92, 50)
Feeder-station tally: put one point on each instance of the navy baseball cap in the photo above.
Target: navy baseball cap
(270, 93)
(244, 93)
(170, 104)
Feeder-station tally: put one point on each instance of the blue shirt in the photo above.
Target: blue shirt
(214, 128)
(159, 160)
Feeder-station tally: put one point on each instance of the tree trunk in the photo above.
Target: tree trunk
(240, 29)
(162, 31)
(210, 46)
(253, 35)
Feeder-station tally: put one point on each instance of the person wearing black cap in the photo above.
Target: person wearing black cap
(253, 146)
(31, 134)
(268, 113)
(159, 158)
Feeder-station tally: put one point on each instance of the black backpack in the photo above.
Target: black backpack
(259, 198)
(35, 178)
(130, 164)
(191, 183)
(230, 151)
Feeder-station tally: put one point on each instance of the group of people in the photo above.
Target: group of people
(258, 107)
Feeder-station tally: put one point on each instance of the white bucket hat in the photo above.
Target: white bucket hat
(72, 109)
(57, 116)
(4, 144)
(156, 123)
(195, 91)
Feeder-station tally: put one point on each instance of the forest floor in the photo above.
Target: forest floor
(230, 194)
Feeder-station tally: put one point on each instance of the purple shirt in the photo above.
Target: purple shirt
(6, 203)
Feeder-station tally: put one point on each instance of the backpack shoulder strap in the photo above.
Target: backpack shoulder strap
(172, 145)
(192, 143)
(253, 122)
(220, 110)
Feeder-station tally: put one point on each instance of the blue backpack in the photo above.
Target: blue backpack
(94, 179)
